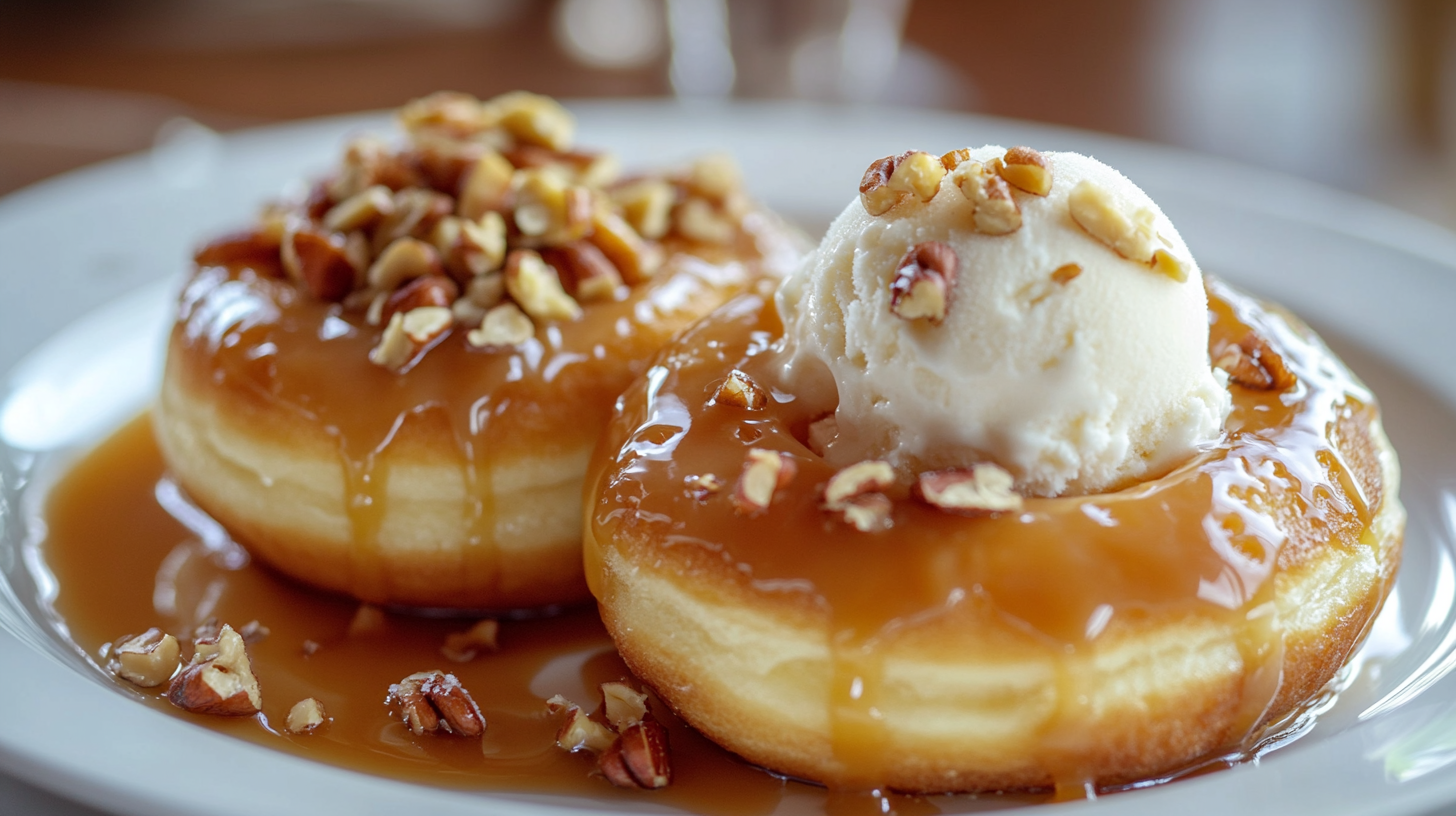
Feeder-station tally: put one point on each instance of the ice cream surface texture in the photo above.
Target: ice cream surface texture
(1075, 368)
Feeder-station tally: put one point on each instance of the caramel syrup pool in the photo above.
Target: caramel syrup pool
(128, 552)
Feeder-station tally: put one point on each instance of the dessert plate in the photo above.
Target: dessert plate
(90, 260)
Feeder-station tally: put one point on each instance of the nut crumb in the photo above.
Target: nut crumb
(701, 486)
(1066, 273)
(307, 716)
(254, 632)
(368, 620)
(462, 647)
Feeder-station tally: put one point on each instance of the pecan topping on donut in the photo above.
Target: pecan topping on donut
(870, 476)
(740, 391)
(925, 282)
(475, 183)
(855, 493)
(433, 701)
(765, 472)
(978, 490)
(1252, 363)
(430, 290)
(319, 262)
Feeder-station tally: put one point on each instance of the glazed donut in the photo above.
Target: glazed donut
(864, 626)
(391, 389)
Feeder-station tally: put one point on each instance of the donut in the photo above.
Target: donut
(880, 624)
(390, 389)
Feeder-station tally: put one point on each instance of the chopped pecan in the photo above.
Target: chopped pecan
(918, 174)
(591, 275)
(319, 262)
(994, 210)
(503, 326)
(416, 211)
(647, 206)
(430, 290)
(633, 257)
(537, 289)
(765, 472)
(867, 512)
(869, 476)
(433, 701)
(533, 119)
(855, 492)
(360, 210)
(981, 489)
(1095, 211)
(147, 660)
(740, 391)
(486, 186)
(623, 705)
(1026, 170)
(924, 283)
(219, 679)
(644, 752)
(403, 260)
(698, 219)
(1253, 363)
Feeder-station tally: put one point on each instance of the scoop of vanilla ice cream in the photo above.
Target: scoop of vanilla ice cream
(1074, 386)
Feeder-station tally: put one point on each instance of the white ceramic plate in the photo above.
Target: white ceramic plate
(1380, 285)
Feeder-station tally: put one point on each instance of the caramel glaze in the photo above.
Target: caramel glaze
(1209, 538)
(249, 339)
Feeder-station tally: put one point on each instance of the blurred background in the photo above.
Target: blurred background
(1358, 94)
